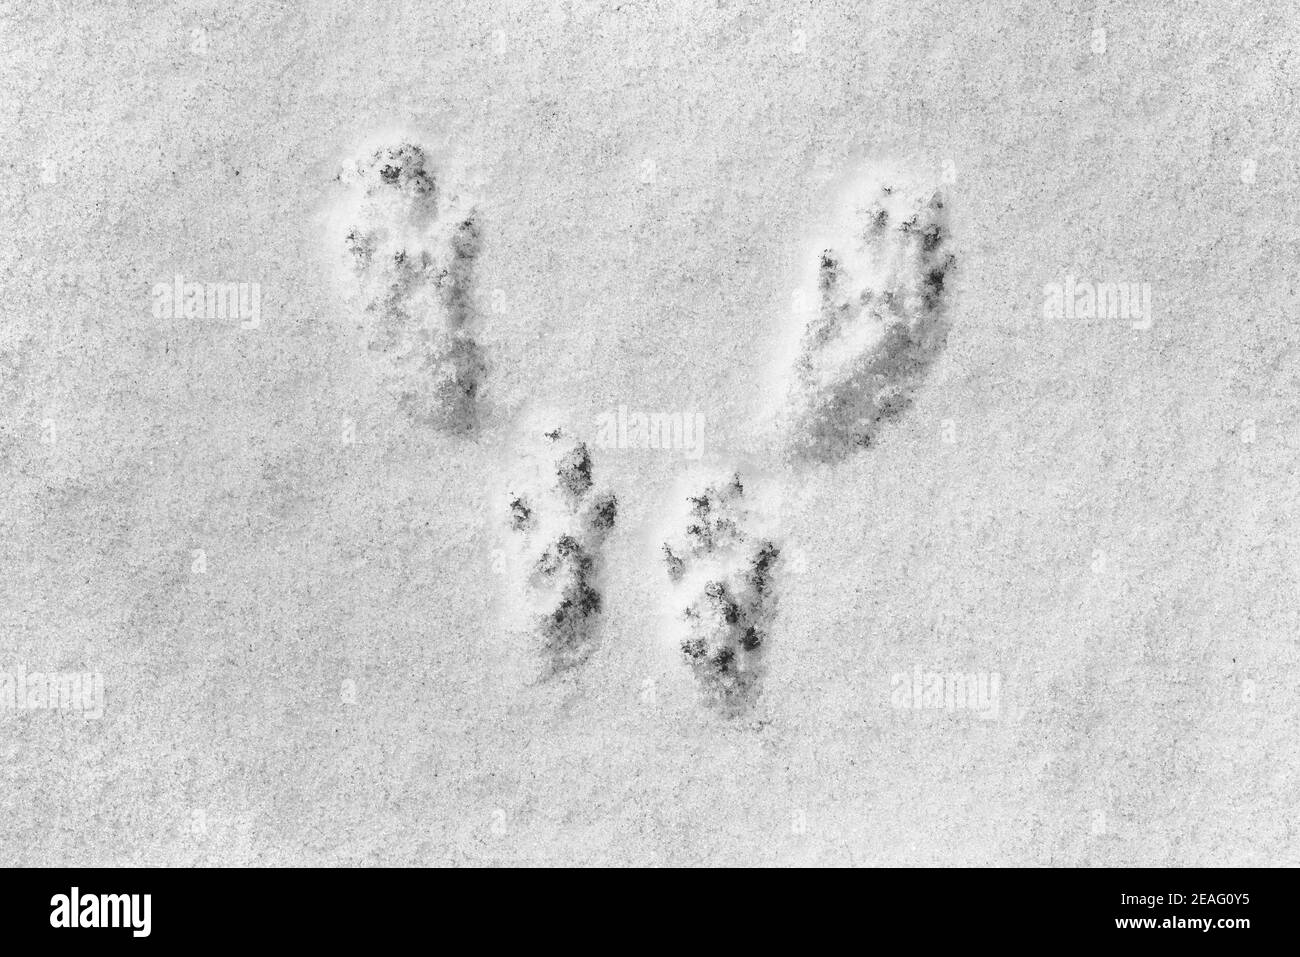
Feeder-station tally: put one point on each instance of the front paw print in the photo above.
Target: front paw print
(722, 576)
(560, 525)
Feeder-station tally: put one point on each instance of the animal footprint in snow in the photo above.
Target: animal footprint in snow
(559, 524)
(883, 284)
(721, 569)
(410, 254)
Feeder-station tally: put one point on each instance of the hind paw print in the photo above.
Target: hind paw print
(410, 253)
(883, 286)
(722, 577)
(560, 524)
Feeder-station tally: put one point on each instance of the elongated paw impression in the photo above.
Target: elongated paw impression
(883, 290)
(410, 253)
